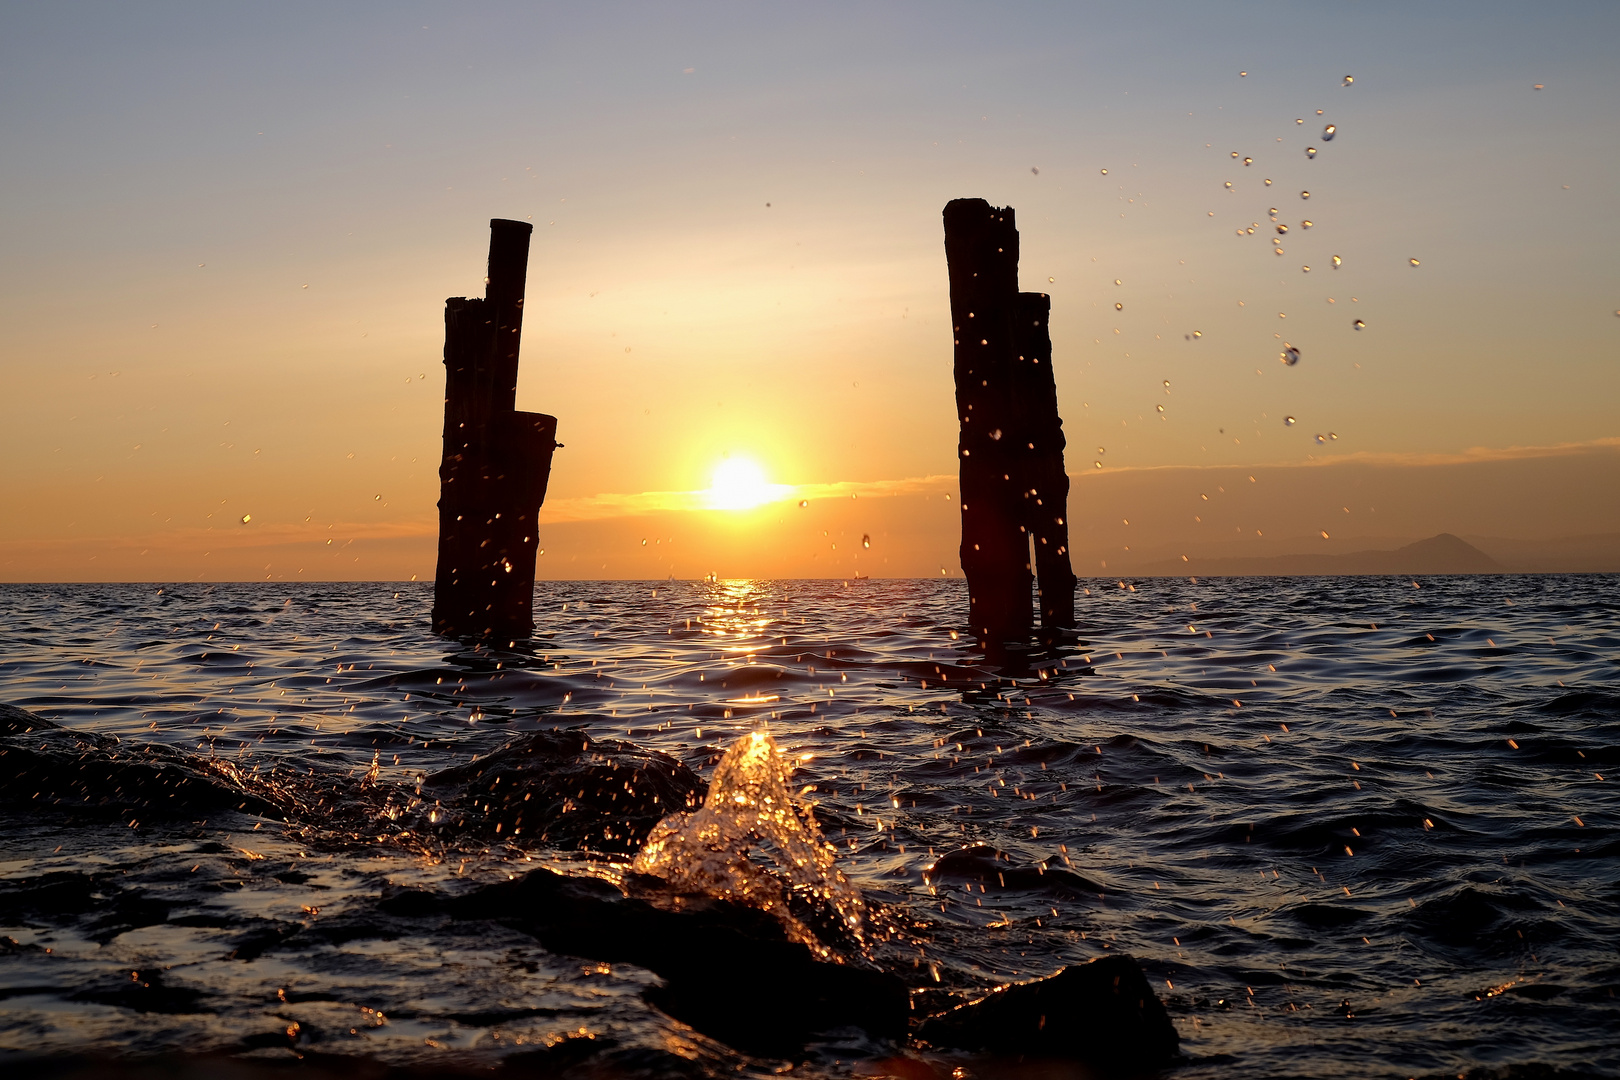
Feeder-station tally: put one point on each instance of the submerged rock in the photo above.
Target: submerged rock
(565, 790)
(43, 765)
(731, 972)
(1103, 1013)
(990, 868)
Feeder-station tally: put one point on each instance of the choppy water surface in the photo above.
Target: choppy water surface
(1350, 827)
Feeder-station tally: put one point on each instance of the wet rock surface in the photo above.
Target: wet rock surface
(1103, 1013)
(566, 790)
(728, 971)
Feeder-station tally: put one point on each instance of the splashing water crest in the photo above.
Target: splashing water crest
(754, 843)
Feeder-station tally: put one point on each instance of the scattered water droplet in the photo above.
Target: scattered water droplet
(1243, 74)
(1414, 262)
(1304, 194)
(1307, 223)
(1301, 120)
(1105, 172)
(1117, 281)
(1348, 79)
(1538, 86)
(1234, 153)
(1119, 307)
(1305, 269)
(1331, 435)
(1159, 407)
(803, 503)
(1282, 230)
(996, 434)
(1101, 452)
(246, 518)
(1310, 151)
(1167, 381)
(1320, 439)
(1278, 250)
(1359, 325)
(1248, 161)
(1050, 280)
(1196, 334)
(1288, 421)
(1337, 262)
(1268, 183)
(1096, 464)
(1328, 132)
(1229, 185)
(1290, 355)
(866, 538)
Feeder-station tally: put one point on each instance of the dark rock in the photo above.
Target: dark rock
(1103, 1013)
(566, 790)
(46, 766)
(15, 721)
(728, 971)
(984, 865)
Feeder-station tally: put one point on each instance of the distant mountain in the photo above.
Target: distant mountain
(1442, 554)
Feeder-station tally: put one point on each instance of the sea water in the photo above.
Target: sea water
(1349, 826)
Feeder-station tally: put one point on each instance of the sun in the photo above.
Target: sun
(739, 484)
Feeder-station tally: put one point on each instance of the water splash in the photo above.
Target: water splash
(755, 843)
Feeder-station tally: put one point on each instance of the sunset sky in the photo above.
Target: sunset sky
(229, 232)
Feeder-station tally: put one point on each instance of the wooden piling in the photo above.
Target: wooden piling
(1014, 490)
(497, 461)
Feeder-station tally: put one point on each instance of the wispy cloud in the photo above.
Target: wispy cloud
(641, 504)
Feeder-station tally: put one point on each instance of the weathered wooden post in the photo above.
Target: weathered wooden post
(1014, 491)
(497, 461)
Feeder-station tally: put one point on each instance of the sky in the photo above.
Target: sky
(229, 231)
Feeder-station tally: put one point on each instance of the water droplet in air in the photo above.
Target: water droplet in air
(1167, 381)
(1229, 185)
(1414, 262)
(1282, 230)
(1307, 223)
(866, 540)
(1050, 280)
(1248, 161)
(1242, 74)
(1310, 151)
(1096, 464)
(246, 518)
(1278, 250)
(1268, 182)
(1301, 120)
(1328, 132)
(1538, 86)
(1101, 452)
(1159, 407)
(1288, 421)
(1337, 262)
(1251, 231)
(1348, 79)
(1234, 153)
(803, 503)
(1305, 269)
(1304, 194)
(1105, 172)
(1320, 439)
(1196, 334)
(1119, 307)
(996, 434)
(1331, 435)
(376, 498)
(1290, 356)
(1117, 281)
(1318, 112)
(1359, 325)
(1032, 169)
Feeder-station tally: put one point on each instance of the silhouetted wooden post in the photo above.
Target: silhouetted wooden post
(497, 461)
(1010, 452)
